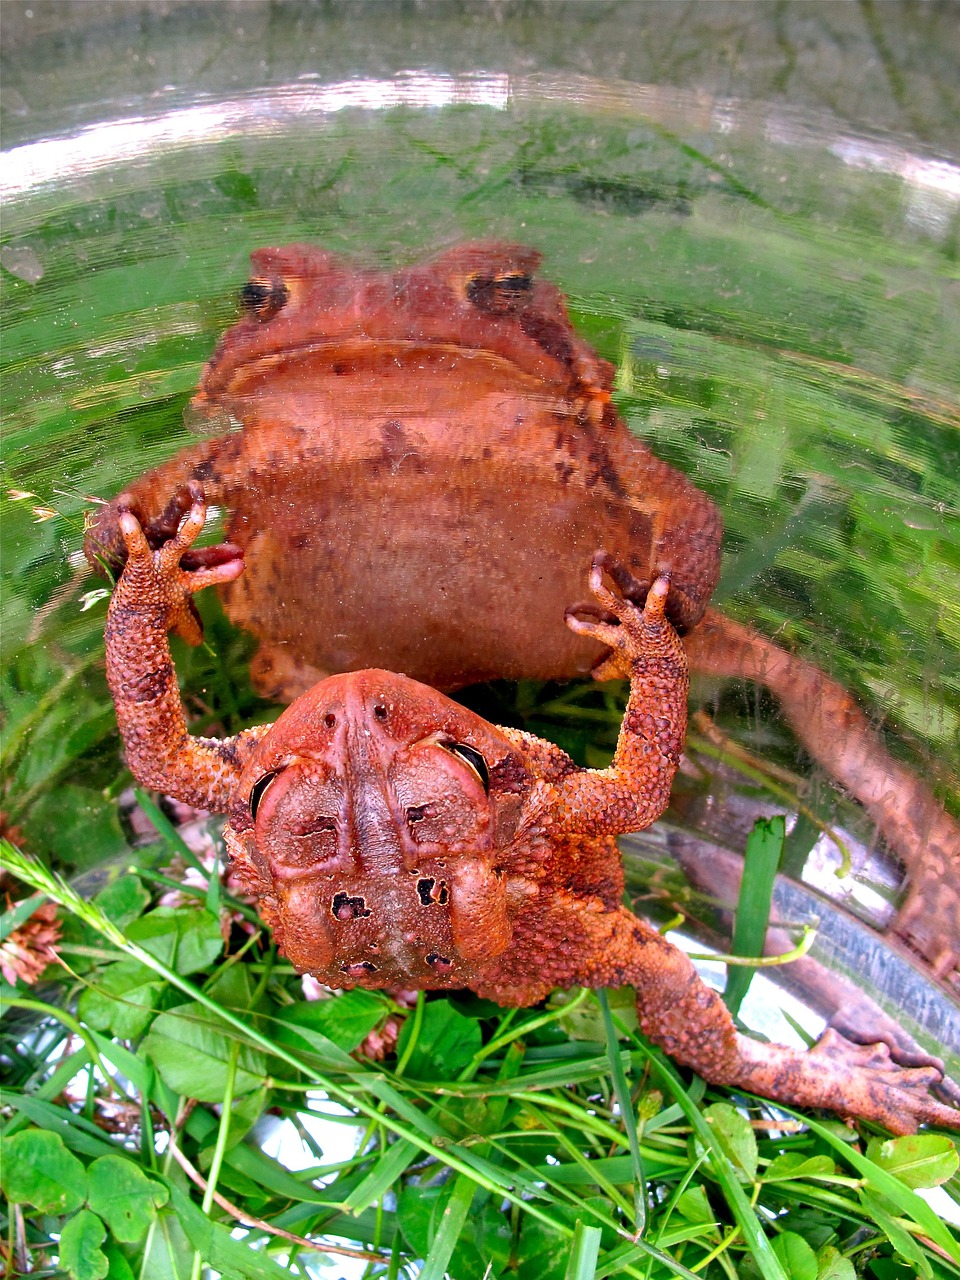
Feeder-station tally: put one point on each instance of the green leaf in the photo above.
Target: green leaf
(122, 1194)
(345, 1019)
(123, 900)
(907, 1201)
(447, 1041)
(245, 1112)
(456, 1200)
(137, 1071)
(187, 939)
(764, 846)
(120, 1268)
(190, 1051)
(918, 1160)
(78, 824)
(167, 1254)
(768, 1263)
(122, 999)
(16, 915)
(266, 1173)
(793, 1164)
(832, 1265)
(695, 1207)
(232, 988)
(80, 1252)
(214, 1243)
(36, 1168)
(735, 1137)
(902, 1241)
(799, 1260)
(541, 1249)
(77, 1133)
(586, 1021)
(625, 1102)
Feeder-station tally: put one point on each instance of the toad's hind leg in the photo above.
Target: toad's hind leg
(837, 733)
(679, 1012)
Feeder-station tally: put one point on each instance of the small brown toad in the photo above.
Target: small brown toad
(394, 838)
(427, 459)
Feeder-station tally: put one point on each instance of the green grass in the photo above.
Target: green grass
(540, 1150)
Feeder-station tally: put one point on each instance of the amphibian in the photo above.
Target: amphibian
(393, 837)
(427, 459)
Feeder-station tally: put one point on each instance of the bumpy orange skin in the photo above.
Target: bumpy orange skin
(428, 458)
(394, 838)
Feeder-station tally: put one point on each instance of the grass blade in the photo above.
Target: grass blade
(764, 847)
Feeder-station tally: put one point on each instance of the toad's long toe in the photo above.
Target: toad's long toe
(856, 1080)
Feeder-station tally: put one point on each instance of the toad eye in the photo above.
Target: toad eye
(263, 298)
(258, 790)
(513, 282)
(472, 758)
(498, 293)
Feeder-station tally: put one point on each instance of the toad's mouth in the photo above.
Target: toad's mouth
(527, 365)
(341, 358)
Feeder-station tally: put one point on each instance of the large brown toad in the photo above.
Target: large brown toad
(394, 838)
(426, 461)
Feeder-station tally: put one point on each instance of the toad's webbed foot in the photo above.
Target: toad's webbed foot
(856, 1080)
(596, 947)
(164, 579)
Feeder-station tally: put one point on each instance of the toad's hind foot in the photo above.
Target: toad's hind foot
(679, 1012)
(856, 1080)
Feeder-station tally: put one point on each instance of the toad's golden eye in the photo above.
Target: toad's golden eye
(258, 791)
(472, 758)
(499, 293)
(264, 298)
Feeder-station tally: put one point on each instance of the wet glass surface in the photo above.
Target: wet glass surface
(761, 238)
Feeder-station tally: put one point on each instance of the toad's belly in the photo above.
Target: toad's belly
(444, 573)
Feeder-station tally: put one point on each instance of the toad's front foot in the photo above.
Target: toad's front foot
(156, 581)
(104, 542)
(635, 789)
(643, 636)
(153, 597)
